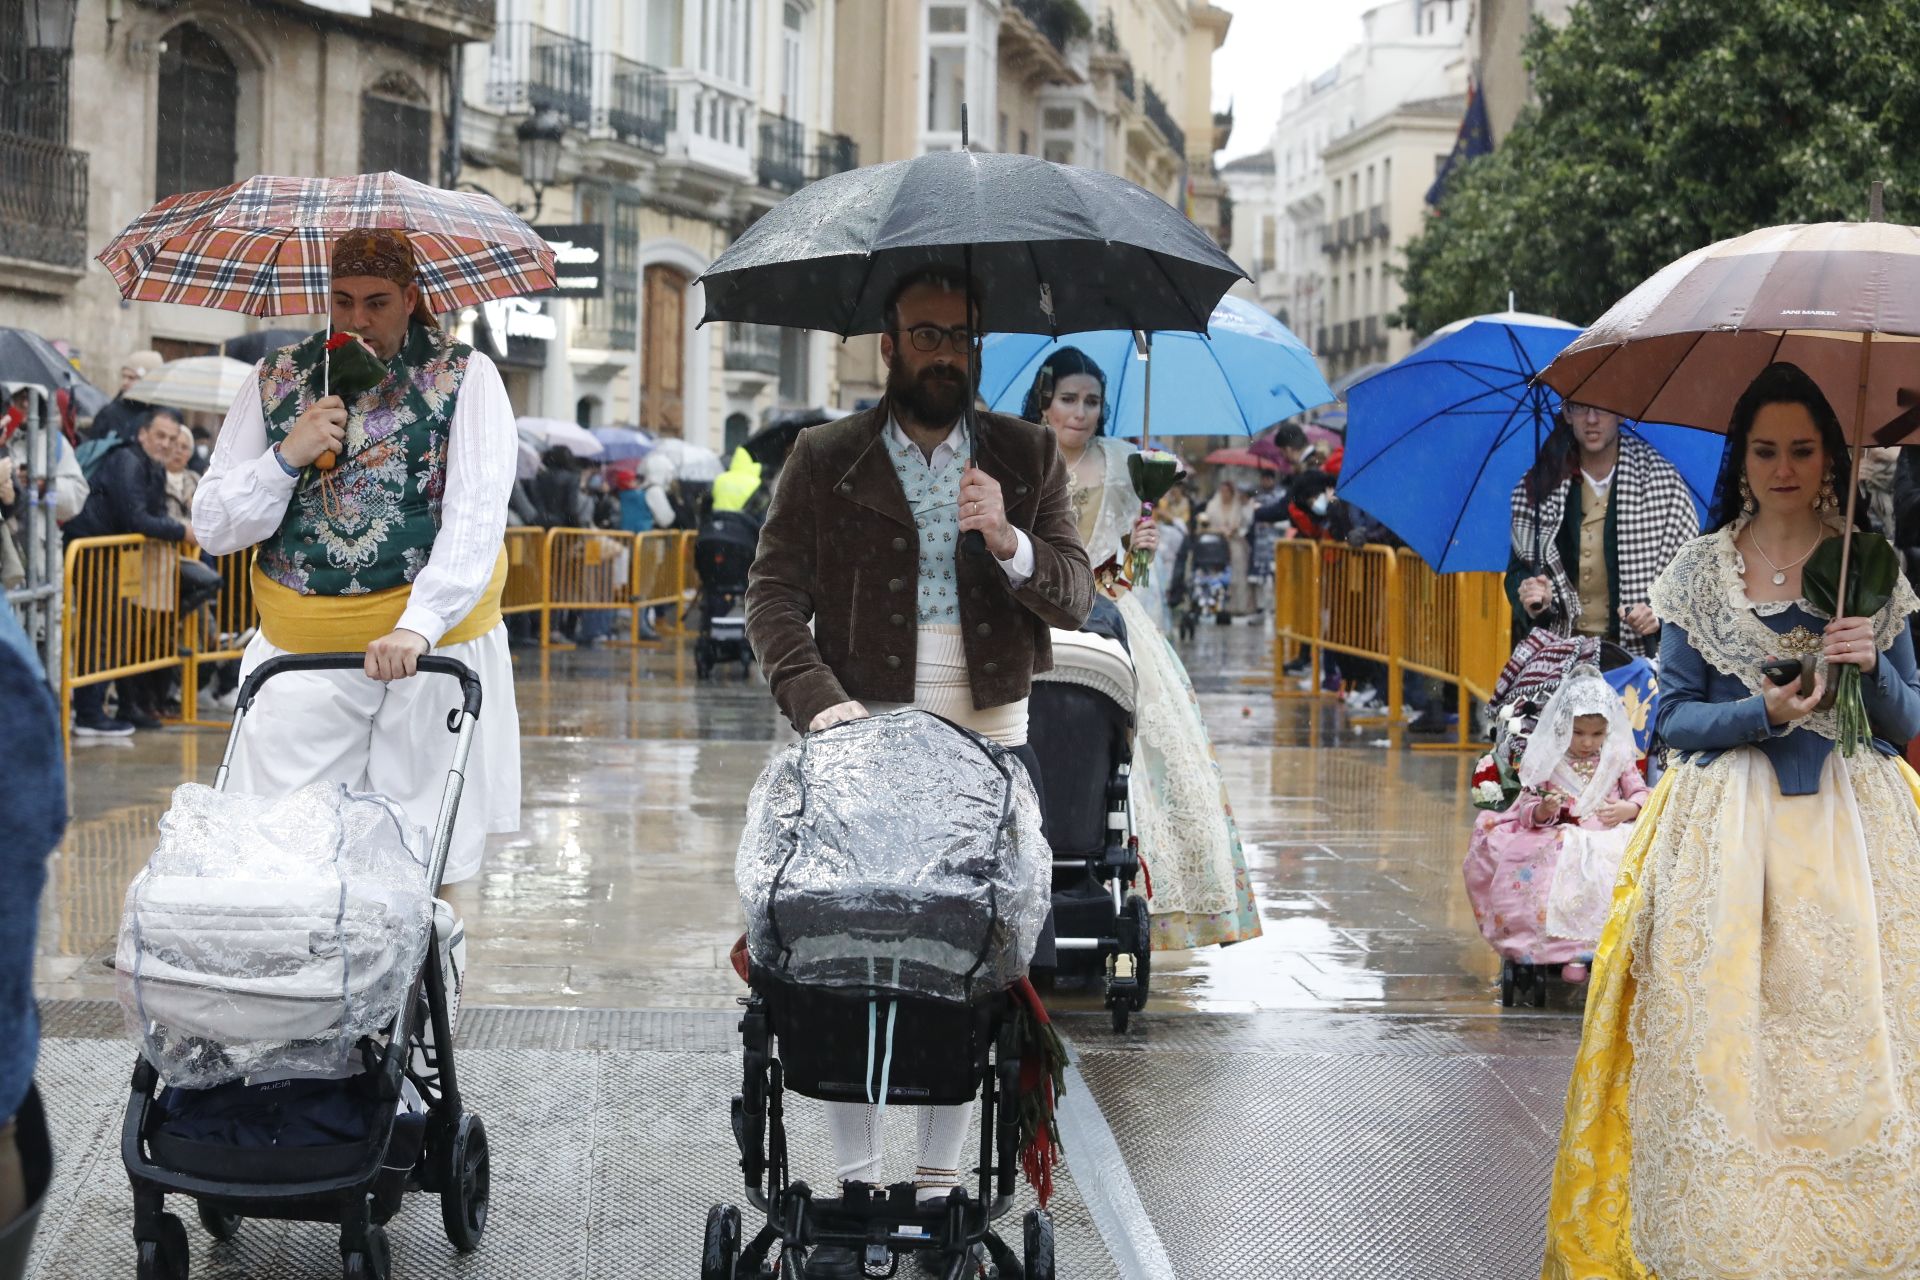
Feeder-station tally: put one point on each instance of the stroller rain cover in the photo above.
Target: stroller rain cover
(265, 937)
(896, 853)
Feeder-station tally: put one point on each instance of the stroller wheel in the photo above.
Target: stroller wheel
(166, 1258)
(1506, 983)
(220, 1224)
(375, 1263)
(722, 1248)
(1038, 1254)
(1143, 953)
(465, 1184)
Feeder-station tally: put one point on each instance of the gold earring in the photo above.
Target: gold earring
(1747, 504)
(1829, 500)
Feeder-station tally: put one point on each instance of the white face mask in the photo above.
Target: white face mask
(1320, 505)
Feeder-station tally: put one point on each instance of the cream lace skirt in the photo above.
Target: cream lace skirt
(1774, 1102)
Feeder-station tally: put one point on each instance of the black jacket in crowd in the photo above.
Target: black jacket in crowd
(128, 495)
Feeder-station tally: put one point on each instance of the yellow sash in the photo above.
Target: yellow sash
(330, 624)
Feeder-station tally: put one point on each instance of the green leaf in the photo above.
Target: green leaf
(1153, 473)
(1871, 576)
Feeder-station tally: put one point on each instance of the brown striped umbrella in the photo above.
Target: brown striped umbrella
(1839, 299)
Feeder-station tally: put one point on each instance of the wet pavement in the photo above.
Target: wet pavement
(1357, 1100)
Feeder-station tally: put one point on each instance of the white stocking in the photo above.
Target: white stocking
(943, 1136)
(859, 1145)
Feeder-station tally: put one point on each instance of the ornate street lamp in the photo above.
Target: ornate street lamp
(49, 25)
(540, 137)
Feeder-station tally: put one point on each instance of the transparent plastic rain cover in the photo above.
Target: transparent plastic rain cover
(895, 853)
(266, 937)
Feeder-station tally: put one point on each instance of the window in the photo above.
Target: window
(198, 116)
(1061, 119)
(1057, 152)
(794, 357)
(962, 52)
(396, 130)
(946, 88)
(947, 19)
(792, 36)
(1026, 144)
(586, 411)
(726, 39)
(1370, 200)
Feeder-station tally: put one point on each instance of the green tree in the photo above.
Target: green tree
(1662, 126)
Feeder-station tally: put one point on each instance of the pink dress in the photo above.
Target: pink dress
(1512, 864)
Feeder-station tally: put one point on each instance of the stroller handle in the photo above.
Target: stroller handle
(431, 664)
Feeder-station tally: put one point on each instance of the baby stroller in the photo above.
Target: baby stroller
(1209, 576)
(877, 978)
(723, 553)
(1080, 728)
(314, 1150)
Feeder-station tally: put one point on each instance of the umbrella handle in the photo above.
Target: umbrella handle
(972, 542)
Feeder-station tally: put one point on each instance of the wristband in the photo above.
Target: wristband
(285, 466)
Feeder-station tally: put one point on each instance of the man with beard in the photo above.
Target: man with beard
(864, 542)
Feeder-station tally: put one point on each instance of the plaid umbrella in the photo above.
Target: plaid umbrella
(263, 246)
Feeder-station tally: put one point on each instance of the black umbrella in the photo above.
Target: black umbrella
(769, 445)
(1053, 249)
(27, 357)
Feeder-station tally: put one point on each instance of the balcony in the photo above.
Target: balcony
(1328, 244)
(534, 69)
(1336, 341)
(1163, 119)
(1320, 340)
(1123, 79)
(1376, 336)
(1377, 223)
(836, 153)
(631, 102)
(783, 153)
(444, 22)
(713, 124)
(43, 209)
(1353, 335)
(752, 348)
(1060, 21)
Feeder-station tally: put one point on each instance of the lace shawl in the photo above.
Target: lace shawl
(1703, 592)
(1119, 506)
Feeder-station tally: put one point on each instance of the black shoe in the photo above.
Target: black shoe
(936, 1265)
(832, 1262)
(141, 718)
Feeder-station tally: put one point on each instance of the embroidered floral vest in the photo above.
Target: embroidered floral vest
(371, 523)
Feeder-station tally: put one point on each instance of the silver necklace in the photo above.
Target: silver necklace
(1780, 571)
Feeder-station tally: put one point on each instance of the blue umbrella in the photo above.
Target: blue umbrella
(1247, 372)
(1437, 442)
(623, 444)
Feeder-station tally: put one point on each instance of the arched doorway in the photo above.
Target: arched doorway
(199, 104)
(586, 412)
(739, 427)
(663, 356)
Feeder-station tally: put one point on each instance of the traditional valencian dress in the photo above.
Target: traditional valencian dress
(407, 531)
(1746, 1100)
(1187, 834)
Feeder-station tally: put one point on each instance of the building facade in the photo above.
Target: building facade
(1126, 89)
(681, 122)
(161, 97)
(1351, 157)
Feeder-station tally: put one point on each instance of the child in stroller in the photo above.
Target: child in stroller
(886, 938)
(722, 554)
(276, 1106)
(1543, 857)
(1209, 580)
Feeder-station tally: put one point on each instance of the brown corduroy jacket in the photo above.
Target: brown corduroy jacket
(840, 549)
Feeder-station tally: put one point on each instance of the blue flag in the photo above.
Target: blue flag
(1474, 139)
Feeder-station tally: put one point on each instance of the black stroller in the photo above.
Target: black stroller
(1080, 728)
(722, 555)
(339, 1152)
(868, 1043)
(1209, 576)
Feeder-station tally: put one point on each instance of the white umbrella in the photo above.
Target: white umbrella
(691, 462)
(529, 464)
(207, 383)
(558, 432)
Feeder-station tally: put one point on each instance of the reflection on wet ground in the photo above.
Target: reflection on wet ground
(618, 889)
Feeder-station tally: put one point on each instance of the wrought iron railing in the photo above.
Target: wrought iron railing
(783, 153)
(1377, 227)
(535, 69)
(34, 88)
(837, 153)
(1161, 117)
(1124, 78)
(753, 348)
(43, 202)
(1060, 21)
(632, 102)
(1107, 35)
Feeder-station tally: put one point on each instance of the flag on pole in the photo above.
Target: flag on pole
(1474, 139)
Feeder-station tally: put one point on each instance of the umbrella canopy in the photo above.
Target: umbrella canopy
(623, 444)
(263, 247)
(691, 462)
(1322, 438)
(552, 433)
(1241, 458)
(769, 445)
(25, 356)
(1436, 443)
(527, 465)
(1246, 372)
(1053, 249)
(206, 383)
(1684, 344)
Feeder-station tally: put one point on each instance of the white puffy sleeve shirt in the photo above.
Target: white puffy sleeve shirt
(243, 497)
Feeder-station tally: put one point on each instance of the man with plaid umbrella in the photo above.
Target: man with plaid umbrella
(378, 521)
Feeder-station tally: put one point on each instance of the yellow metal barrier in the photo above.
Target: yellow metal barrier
(526, 583)
(119, 618)
(587, 570)
(688, 586)
(659, 576)
(1391, 607)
